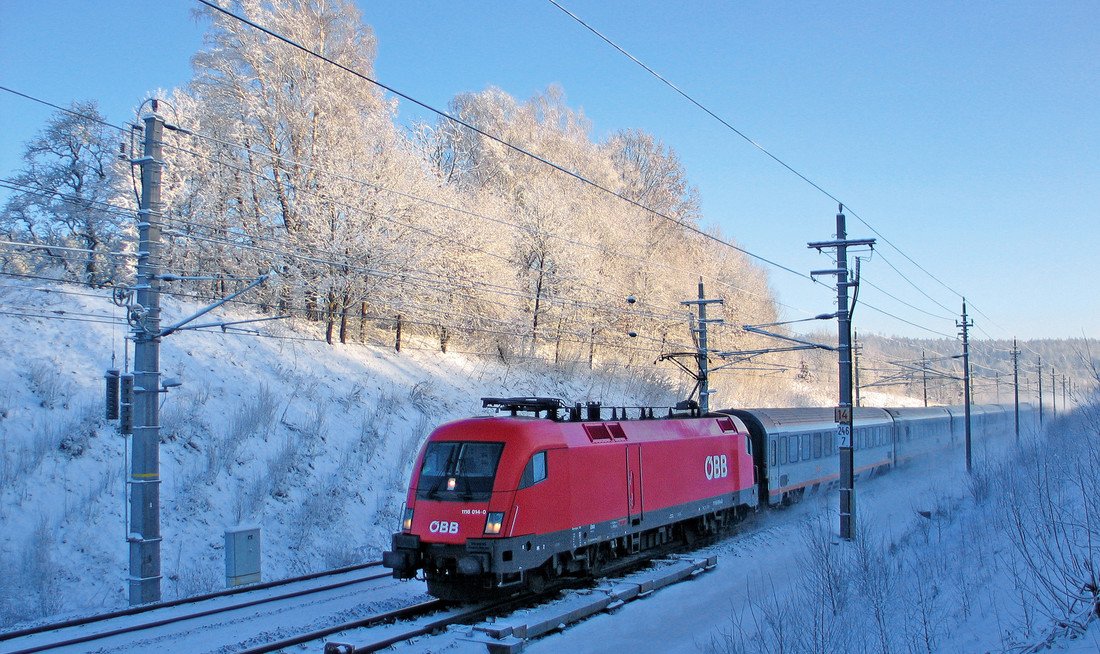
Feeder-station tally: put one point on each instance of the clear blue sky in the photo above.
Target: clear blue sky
(968, 134)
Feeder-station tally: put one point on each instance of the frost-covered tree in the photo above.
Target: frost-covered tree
(307, 157)
(547, 211)
(69, 194)
(651, 174)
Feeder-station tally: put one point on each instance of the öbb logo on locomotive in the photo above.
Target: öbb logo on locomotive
(443, 527)
(716, 467)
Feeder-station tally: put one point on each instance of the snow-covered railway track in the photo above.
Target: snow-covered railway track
(230, 620)
(431, 619)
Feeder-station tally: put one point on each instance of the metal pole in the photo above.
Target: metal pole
(1040, 391)
(704, 364)
(855, 364)
(844, 336)
(924, 373)
(1064, 405)
(144, 536)
(966, 325)
(702, 356)
(1016, 386)
(844, 412)
(1053, 393)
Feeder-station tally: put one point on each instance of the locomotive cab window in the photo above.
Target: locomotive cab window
(459, 471)
(535, 471)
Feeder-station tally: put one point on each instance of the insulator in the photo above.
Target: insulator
(112, 394)
(126, 406)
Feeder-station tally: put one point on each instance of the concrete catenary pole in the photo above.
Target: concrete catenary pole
(144, 536)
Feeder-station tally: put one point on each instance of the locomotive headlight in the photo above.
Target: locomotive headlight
(407, 522)
(494, 522)
(451, 483)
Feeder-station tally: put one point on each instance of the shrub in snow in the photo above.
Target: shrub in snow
(32, 583)
(1050, 509)
(48, 384)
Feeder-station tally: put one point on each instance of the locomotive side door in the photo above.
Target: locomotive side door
(634, 494)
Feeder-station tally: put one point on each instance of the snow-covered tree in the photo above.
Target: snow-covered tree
(69, 194)
(307, 178)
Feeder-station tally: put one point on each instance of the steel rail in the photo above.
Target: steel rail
(76, 622)
(473, 614)
(189, 616)
(396, 614)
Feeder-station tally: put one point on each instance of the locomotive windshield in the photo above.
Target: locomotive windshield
(459, 471)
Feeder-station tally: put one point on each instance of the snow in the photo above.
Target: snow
(257, 624)
(313, 443)
(309, 441)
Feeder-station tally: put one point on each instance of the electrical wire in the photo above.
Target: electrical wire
(405, 275)
(436, 310)
(20, 314)
(63, 109)
(863, 280)
(557, 337)
(914, 285)
(425, 284)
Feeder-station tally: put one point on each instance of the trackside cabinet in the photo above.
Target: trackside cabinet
(242, 556)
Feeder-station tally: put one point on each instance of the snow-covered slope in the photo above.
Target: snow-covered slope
(311, 442)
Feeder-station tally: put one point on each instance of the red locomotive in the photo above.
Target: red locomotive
(509, 502)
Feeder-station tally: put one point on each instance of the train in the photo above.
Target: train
(543, 490)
